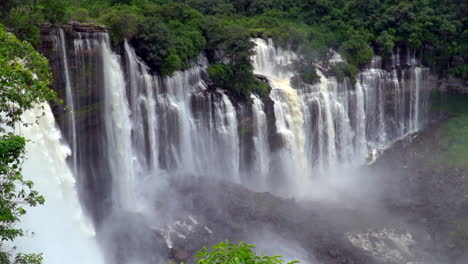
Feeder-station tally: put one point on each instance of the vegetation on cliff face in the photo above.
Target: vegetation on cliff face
(168, 34)
(24, 83)
(454, 133)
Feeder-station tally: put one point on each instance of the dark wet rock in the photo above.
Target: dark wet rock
(179, 255)
(424, 206)
(262, 78)
(88, 98)
(425, 194)
(235, 213)
(131, 239)
(75, 26)
(427, 191)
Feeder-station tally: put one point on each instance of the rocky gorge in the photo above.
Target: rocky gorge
(291, 167)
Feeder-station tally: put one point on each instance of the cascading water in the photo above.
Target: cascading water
(193, 126)
(176, 124)
(118, 128)
(261, 147)
(341, 125)
(395, 106)
(69, 100)
(273, 63)
(143, 110)
(147, 128)
(60, 230)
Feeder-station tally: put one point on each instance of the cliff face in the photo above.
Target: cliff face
(454, 86)
(403, 58)
(77, 58)
(118, 110)
(137, 140)
(76, 61)
(425, 181)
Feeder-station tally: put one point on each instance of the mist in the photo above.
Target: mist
(61, 220)
(167, 165)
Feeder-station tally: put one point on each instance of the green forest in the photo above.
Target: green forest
(169, 34)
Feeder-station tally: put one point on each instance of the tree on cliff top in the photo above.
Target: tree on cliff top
(24, 82)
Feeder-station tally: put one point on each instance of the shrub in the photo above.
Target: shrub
(309, 75)
(357, 51)
(227, 253)
(171, 64)
(220, 74)
(343, 69)
(188, 43)
(182, 13)
(55, 11)
(24, 28)
(122, 22)
(261, 89)
(385, 43)
(236, 45)
(81, 15)
(306, 71)
(238, 79)
(152, 42)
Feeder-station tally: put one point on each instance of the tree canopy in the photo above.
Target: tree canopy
(24, 82)
(169, 34)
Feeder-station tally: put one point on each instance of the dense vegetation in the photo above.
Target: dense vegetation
(24, 84)
(170, 34)
(227, 253)
(454, 132)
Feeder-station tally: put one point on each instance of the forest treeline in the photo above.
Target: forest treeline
(169, 34)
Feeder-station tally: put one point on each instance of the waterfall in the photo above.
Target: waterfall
(118, 128)
(386, 122)
(261, 146)
(176, 125)
(339, 123)
(136, 130)
(190, 130)
(69, 100)
(142, 110)
(274, 63)
(60, 230)
(289, 124)
(229, 132)
(328, 111)
(373, 82)
(416, 102)
(361, 150)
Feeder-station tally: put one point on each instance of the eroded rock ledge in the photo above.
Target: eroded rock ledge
(75, 26)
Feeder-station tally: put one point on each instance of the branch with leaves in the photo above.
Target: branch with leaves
(24, 82)
(241, 253)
